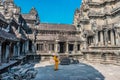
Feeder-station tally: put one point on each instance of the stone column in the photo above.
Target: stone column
(23, 48)
(85, 45)
(33, 47)
(44, 47)
(116, 37)
(14, 50)
(27, 45)
(112, 38)
(101, 38)
(67, 47)
(0, 53)
(56, 46)
(106, 37)
(75, 47)
(18, 48)
(96, 38)
(7, 52)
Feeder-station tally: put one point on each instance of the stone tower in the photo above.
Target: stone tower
(99, 21)
(76, 17)
(10, 9)
(33, 11)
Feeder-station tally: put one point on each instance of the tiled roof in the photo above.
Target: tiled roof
(56, 27)
(8, 36)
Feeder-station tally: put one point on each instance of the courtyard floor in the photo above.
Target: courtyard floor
(79, 71)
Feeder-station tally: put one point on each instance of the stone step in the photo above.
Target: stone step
(65, 61)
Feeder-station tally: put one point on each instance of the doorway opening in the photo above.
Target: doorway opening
(61, 47)
(71, 47)
(30, 45)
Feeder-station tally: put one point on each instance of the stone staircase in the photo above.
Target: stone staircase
(64, 61)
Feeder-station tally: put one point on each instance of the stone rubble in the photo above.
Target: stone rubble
(21, 72)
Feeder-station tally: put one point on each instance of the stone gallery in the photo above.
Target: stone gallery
(94, 35)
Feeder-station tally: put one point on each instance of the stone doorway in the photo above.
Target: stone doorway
(30, 46)
(71, 47)
(61, 47)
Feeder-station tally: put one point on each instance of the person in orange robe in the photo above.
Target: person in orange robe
(56, 62)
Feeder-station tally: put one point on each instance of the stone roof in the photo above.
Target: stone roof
(56, 27)
(73, 38)
(46, 37)
(55, 37)
(29, 17)
(7, 36)
(33, 11)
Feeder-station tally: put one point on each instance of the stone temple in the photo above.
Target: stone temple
(98, 22)
(94, 35)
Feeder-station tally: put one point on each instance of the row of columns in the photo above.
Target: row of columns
(16, 49)
(57, 47)
(7, 52)
(66, 47)
(67, 44)
(103, 36)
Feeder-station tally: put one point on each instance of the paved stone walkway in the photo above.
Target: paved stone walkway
(110, 72)
(68, 72)
(81, 71)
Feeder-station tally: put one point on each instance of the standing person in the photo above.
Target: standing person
(56, 62)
